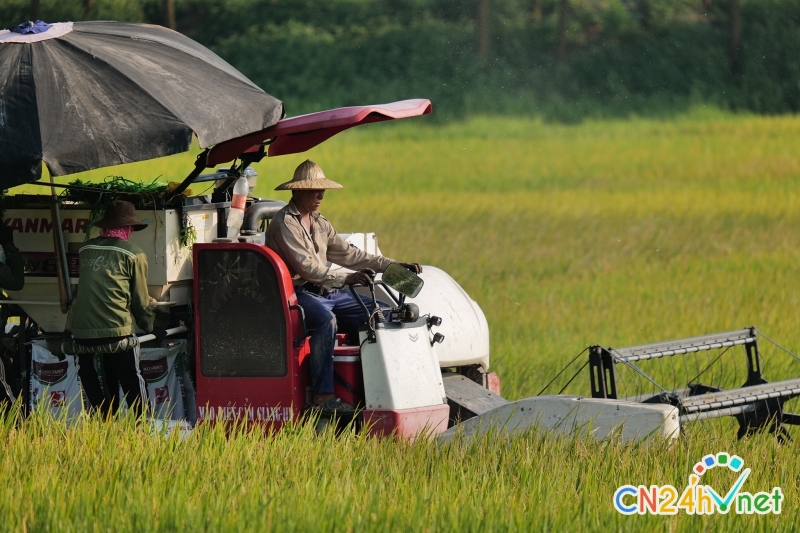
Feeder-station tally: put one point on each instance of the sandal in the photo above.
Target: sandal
(333, 406)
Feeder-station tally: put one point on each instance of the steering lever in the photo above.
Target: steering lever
(358, 298)
(371, 291)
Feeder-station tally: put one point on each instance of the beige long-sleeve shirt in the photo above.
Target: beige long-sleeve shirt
(307, 253)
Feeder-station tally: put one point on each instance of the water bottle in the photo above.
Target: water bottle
(236, 212)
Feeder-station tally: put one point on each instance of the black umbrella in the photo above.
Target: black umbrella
(87, 95)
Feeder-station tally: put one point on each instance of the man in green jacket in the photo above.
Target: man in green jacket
(111, 288)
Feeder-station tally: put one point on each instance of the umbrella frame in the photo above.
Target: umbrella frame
(298, 134)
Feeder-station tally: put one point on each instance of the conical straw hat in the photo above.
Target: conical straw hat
(308, 176)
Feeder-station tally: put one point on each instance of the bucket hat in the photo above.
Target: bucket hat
(308, 176)
(120, 213)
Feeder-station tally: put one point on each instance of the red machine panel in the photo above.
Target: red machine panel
(348, 378)
(298, 134)
(250, 346)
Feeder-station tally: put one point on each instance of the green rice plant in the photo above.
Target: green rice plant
(188, 233)
(94, 475)
(98, 195)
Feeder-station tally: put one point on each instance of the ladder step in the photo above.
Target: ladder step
(471, 396)
(682, 346)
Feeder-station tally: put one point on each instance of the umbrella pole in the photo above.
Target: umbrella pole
(62, 270)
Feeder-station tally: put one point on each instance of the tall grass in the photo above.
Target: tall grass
(97, 476)
(616, 232)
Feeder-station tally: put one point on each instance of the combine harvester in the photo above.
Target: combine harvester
(424, 371)
(239, 347)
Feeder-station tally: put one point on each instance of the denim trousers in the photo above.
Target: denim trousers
(322, 314)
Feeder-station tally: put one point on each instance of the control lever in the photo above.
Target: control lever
(371, 337)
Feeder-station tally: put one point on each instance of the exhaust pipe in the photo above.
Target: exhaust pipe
(258, 211)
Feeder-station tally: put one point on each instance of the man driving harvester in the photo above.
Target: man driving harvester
(306, 242)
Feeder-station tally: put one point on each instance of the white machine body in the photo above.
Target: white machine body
(464, 325)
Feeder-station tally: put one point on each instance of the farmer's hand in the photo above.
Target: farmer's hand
(364, 277)
(6, 235)
(416, 268)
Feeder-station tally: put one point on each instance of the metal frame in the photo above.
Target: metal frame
(757, 405)
(601, 370)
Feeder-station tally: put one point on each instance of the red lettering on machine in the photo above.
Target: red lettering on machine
(262, 414)
(45, 225)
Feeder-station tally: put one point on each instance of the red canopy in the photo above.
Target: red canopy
(298, 134)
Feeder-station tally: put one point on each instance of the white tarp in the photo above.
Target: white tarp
(54, 384)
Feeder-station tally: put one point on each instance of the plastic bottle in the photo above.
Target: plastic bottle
(236, 212)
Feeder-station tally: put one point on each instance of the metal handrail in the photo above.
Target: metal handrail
(28, 302)
(730, 398)
(679, 351)
(170, 332)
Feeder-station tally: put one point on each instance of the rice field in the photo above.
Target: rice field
(614, 233)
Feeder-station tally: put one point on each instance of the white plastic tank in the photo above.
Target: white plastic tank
(464, 326)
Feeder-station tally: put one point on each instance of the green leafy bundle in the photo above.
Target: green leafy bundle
(98, 195)
(141, 195)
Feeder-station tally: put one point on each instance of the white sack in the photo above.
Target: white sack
(54, 385)
(162, 370)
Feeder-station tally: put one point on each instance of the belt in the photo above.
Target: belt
(112, 345)
(314, 288)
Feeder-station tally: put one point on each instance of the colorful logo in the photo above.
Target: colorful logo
(697, 498)
(58, 398)
(162, 394)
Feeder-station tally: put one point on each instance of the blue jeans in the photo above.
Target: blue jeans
(322, 314)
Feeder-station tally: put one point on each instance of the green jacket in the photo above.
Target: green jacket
(112, 286)
(12, 273)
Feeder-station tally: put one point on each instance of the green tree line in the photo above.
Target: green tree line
(561, 59)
